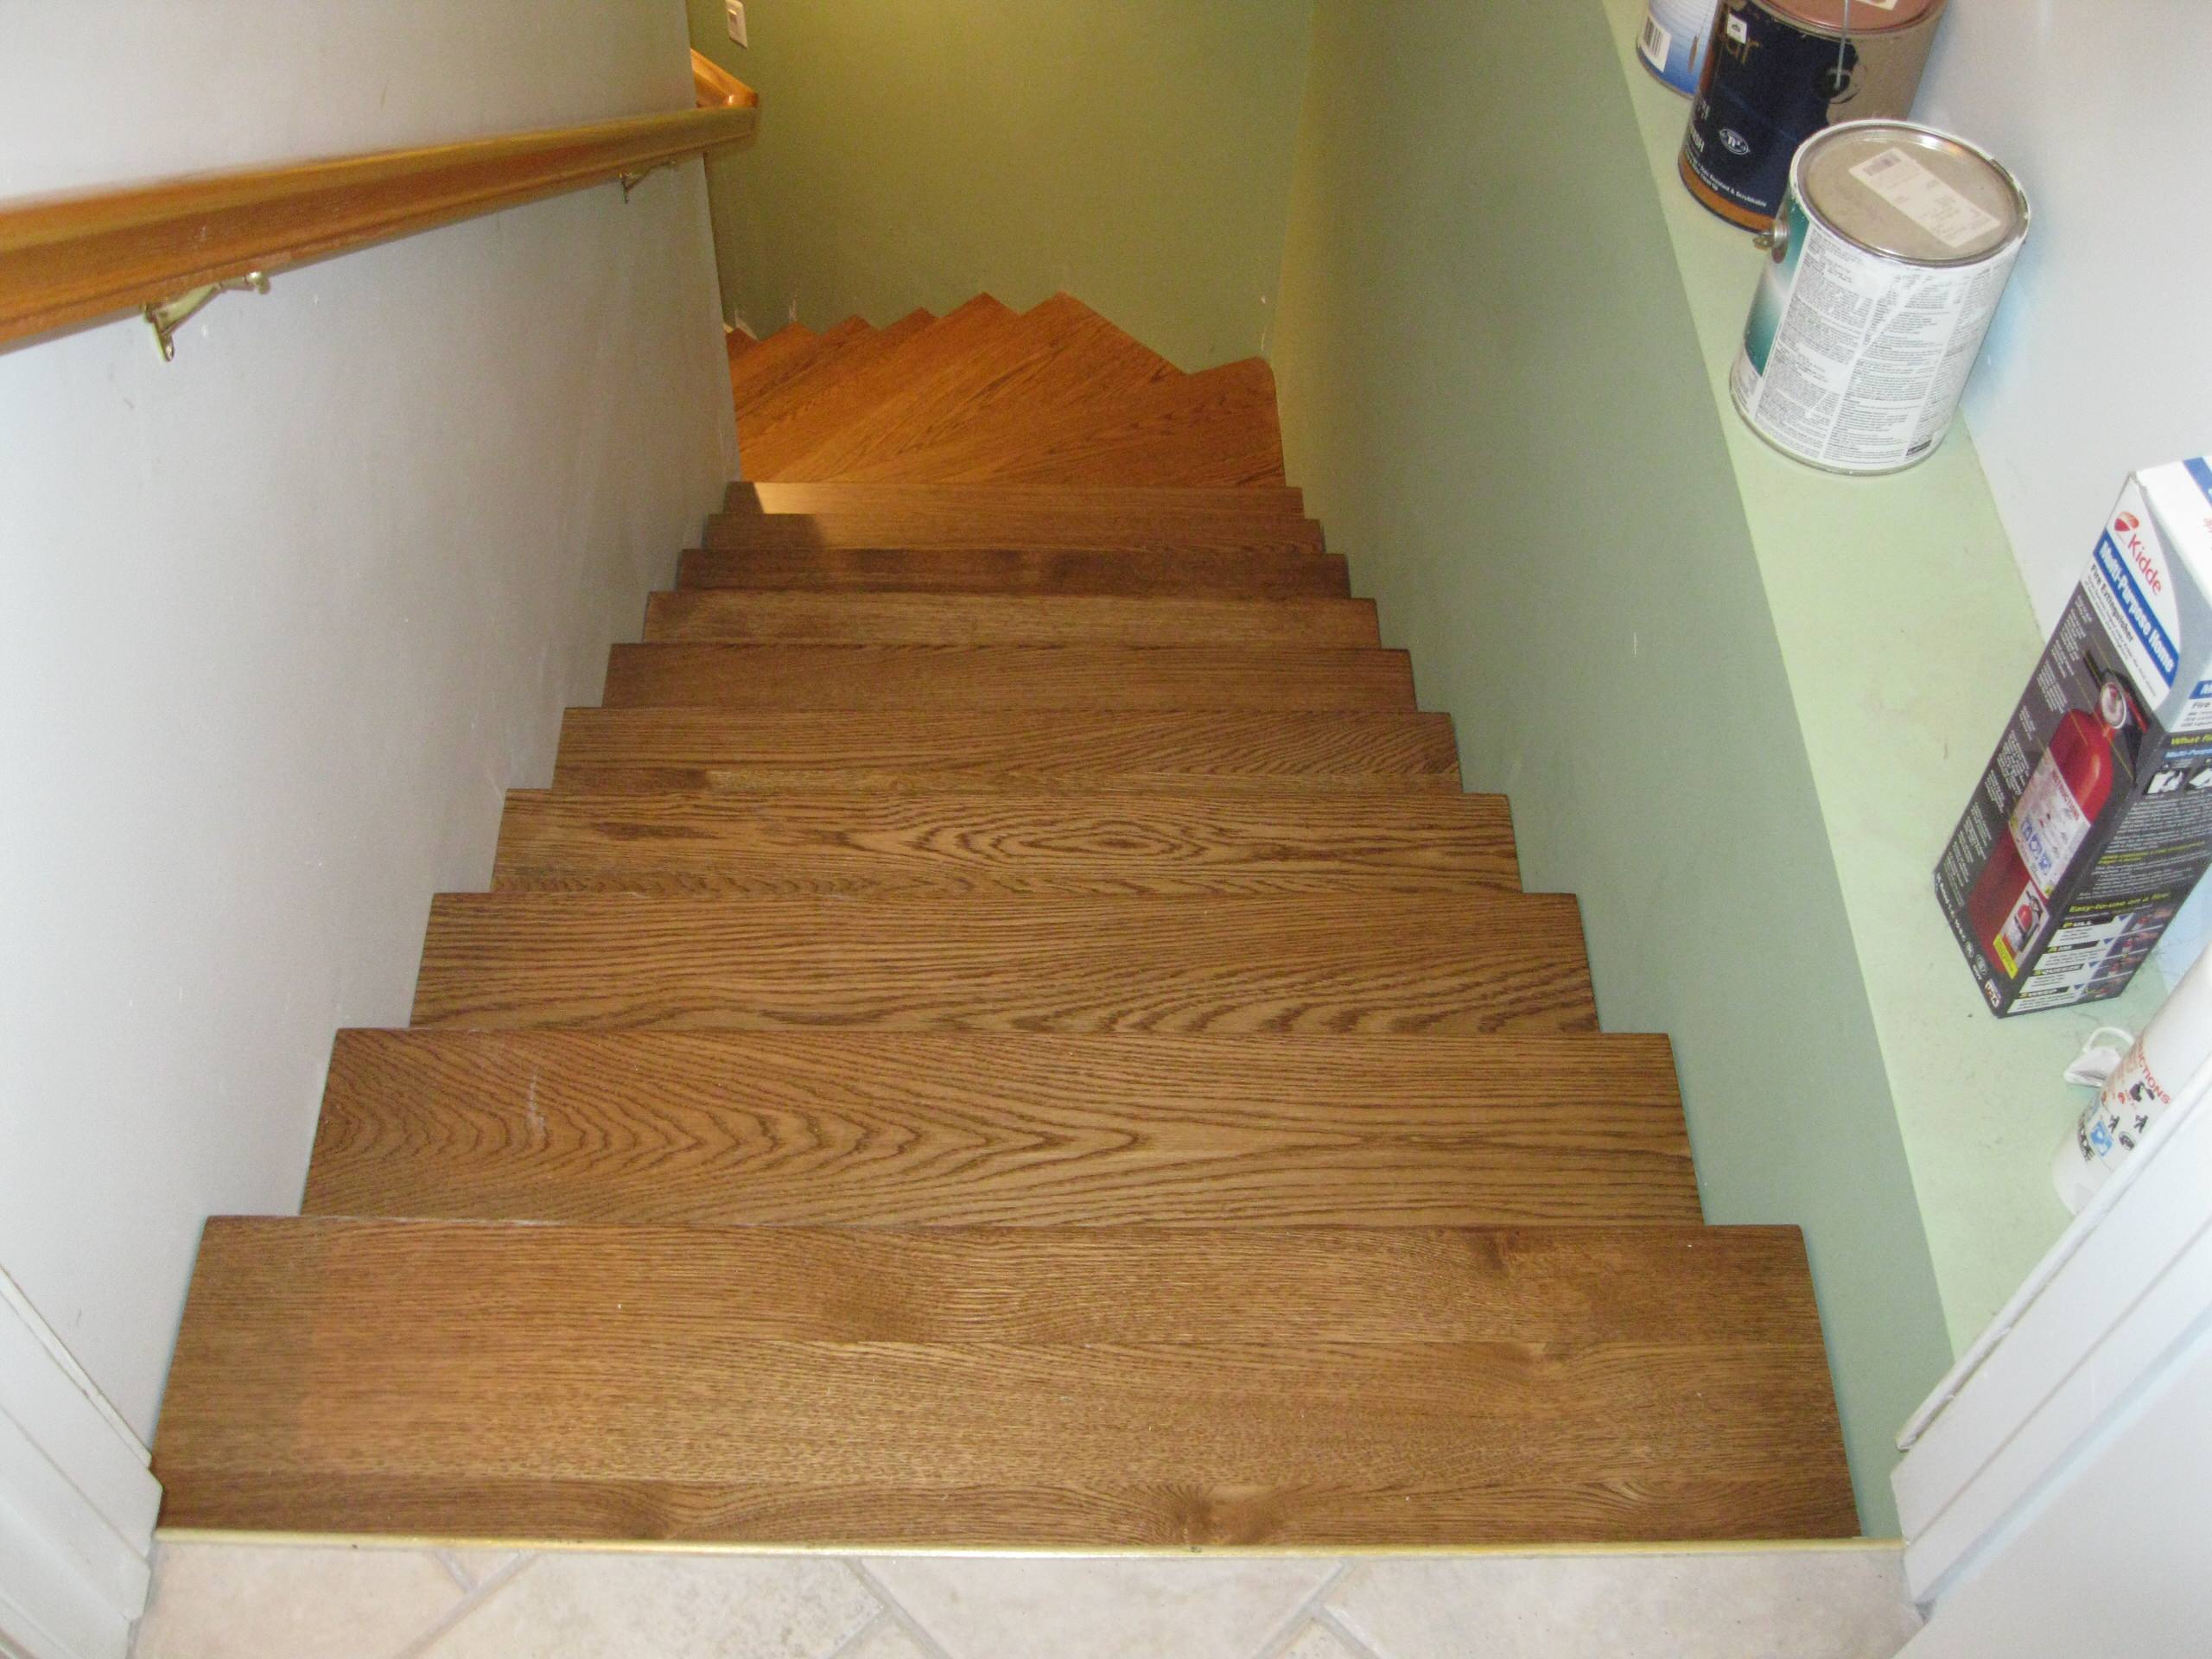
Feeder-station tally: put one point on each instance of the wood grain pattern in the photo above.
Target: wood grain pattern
(1168, 529)
(1380, 963)
(773, 498)
(760, 413)
(1056, 356)
(1090, 1389)
(658, 748)
(708, 616)
(863, 843)
(1006, 1034)
(875, 1128)
(819, 356)
(953, 337)
(1221, 572)
(1216, 428)
(714, 87)
(769, 678)
(770, 361)
(72, 260)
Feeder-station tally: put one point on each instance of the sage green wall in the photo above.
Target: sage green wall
(1491, 392)
(916, 152)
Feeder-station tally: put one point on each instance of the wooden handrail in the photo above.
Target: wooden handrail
(716, 88)
(69, 260)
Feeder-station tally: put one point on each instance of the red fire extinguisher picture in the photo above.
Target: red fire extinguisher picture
(2010, 906)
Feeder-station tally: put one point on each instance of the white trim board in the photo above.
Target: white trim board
(77, 1500)
(2100, 1335)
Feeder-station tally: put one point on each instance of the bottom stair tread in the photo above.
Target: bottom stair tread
(994, 1388)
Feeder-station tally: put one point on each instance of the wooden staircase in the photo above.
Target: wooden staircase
(1004, 1032)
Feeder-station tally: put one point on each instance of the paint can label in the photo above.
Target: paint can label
(1672, 40)
(1855, 362)
(1769, 87)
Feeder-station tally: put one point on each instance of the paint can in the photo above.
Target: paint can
(1671, 41)
(1779, 71)
(1891, 253)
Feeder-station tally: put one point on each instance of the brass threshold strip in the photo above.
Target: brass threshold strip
(1055, 1552)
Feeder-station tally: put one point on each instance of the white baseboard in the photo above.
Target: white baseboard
(77, 1500)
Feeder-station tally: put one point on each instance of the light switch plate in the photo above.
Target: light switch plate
(737, 21)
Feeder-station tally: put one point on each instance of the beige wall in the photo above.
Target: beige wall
(916, 152)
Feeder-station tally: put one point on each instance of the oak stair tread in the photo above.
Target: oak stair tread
(737, 617)
(760, 416)
(1214, 429)
(784, 355)
(782, 676)
(903, 1128)
(868, 843)
(953, 337)
(1004, 1033)
(657, 749)
(1002, 1387)
(1373, 962)
(1057, 355)
(1223, 573)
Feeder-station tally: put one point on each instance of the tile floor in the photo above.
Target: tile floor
(241, 1601)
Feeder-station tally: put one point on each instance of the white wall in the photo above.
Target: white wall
(2101, 359)
(280, 621)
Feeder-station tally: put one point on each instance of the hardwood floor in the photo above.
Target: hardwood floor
(1004, 1032)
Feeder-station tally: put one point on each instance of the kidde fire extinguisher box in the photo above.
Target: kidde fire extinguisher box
(2094, 819)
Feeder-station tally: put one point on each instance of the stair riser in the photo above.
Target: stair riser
(941, 499)
(1210, 574)
(1110, 531)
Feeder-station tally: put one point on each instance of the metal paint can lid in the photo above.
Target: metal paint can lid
(1837, 17)
(1910, 193)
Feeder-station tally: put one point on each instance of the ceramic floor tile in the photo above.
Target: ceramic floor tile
(1318, 1641)
(474, 1565)
(1848, 1604)
(1069, 1609)
(884, 1640)
(564, 1605)
(238, 1601)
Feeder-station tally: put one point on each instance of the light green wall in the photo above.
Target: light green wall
(916, 152)
(1906, 635)
(1492, 394)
